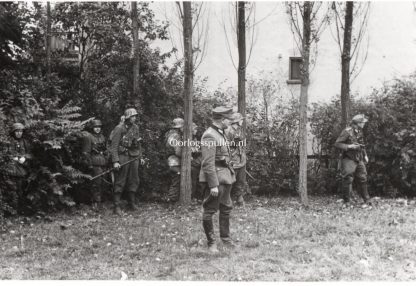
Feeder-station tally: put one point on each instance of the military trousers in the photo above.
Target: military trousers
(351, 170)
(98, 184)
(239, 186)
(197, 187)
(175, 184)
(211, 205)
(127, 177)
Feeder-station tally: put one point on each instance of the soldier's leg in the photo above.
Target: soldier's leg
(239, 186)
(97, 184)
(210, 207)
(174, 189)
(225, 207)
(120, 179)
(361, 177)
(133, 183)
(195, 180)
(348, 168)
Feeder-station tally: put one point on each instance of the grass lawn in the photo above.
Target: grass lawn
(278, 240)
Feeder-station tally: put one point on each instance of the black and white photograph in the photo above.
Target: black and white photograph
(217, 141)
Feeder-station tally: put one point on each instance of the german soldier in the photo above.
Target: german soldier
(93, 149)
(238, 157)
(217, 176)
(354, 158)
(19, 153)
(125, 146)
(174, 144)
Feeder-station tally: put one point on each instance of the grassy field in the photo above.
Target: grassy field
(278, 240)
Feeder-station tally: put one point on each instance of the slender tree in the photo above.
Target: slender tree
(48, 44)
(186, 186)
(241, 39)
(345, 65)
(307, 12)
(136, 53)
(350, 21)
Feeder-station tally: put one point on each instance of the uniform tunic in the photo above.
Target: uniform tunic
(125, 146)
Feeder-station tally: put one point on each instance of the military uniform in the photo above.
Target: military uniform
(173, 137)
(216, 171)
(18, 152)
(94, 148)
(238, 161)
(352, 162)
(125, 146)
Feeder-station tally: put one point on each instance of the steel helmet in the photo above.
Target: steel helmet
(17, 126)
(359, 118)
(130, 112)
(173, 161)
(96, 123)
(178, 123)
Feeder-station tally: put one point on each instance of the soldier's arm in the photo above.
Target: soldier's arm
(208, 149)
(115, 142)
(340, 143)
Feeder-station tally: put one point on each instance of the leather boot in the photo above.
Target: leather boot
(346, 190)
(225, 228)
(132, 201)
(364, 194)
(209, 232)
(117, 197)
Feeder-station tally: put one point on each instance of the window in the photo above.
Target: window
(294, 70)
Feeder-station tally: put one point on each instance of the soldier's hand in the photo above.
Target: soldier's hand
(214, 192)
(142, 161)
(22, 160)
(116, 166)
(15, 158)
(366, 159)
(354, 146)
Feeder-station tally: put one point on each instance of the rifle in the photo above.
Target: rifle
(112, 169)
(251, 177)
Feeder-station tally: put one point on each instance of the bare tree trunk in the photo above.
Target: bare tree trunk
(345, 65)
(186, 186)
(48, 45)
(136, 55)
(241, 38)
(303, 107)
(242, 62)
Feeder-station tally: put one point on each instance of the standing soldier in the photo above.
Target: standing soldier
(238, 157)
(125, 147)
(93, 149)
(218, 176)
(196, 164)
(19, 153)
(354, 158)
(174, 144)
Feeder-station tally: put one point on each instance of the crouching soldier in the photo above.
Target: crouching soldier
(218, 176)
(125, 147)
(93, 149)
(238, 157)
(18, 152)
(173, 141)
(354, 158)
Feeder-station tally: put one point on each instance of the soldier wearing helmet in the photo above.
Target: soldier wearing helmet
(125, 146)
(94, 152)
(354, 158)
(173, 142)
(18, 151)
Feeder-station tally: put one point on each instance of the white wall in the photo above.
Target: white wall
(392, 50)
